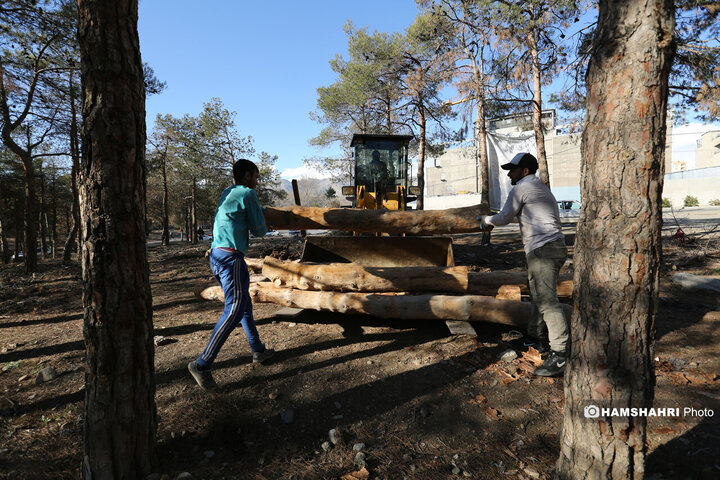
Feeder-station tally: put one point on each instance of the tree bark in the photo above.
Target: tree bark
(537, 107)
(120, 415)
(618, 248)
(428, 222)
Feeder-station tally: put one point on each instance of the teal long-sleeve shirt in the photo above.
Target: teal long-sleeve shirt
(238, 213)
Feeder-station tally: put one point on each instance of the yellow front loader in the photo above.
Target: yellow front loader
(381, 173)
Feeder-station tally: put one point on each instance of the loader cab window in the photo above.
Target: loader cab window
(380, 165)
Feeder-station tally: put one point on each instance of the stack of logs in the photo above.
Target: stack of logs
(422, 293)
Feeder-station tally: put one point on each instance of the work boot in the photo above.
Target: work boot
(260, 357)
(554, 365)
(203, 377)
(524, 343)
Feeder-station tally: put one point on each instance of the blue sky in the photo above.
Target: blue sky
(265, 60)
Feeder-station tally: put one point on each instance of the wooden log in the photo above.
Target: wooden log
(350, 277)
(401, 305)
(504, 292)
(416, 222)
(210, 293)
(480, 283)
(254, 264)
(394, 305)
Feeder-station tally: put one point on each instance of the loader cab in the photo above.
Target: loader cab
(381, 171)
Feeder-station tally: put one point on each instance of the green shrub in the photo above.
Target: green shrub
(666, 203)
(691, 201)
(715, 202)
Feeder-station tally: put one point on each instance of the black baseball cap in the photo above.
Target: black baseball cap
(522, 160)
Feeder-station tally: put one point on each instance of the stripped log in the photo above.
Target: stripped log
(351, 277)
(254, 264)
(401, 305)
(394, 305)
(416, 222)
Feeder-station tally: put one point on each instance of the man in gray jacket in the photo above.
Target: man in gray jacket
(535, 208)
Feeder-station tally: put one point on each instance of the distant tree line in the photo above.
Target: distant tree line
(190, 163)
(189, 158)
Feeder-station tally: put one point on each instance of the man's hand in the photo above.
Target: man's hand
(483, 221)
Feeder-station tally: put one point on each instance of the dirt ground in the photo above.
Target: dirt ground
(425, 404)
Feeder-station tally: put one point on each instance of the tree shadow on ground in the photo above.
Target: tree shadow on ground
(698, 447)
(311, 418)
(43, 320)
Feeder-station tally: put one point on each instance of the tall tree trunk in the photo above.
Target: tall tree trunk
(165, 204)
(193, 213)
(388, 114)
(73, 236)
(53, 225)
(30, 240)
(421, 159)
(42, 216)
(480, 132)
(4, 247)
(19, 229)
(537, 108)
(120, 414)
(186, 235)
(618, 245)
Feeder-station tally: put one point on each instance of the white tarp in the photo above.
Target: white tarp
(501, 149)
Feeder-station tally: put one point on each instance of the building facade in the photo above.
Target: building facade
(453, 179)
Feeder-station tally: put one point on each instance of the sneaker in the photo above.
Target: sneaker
(554, 365)
(524, 343)
(260, 357)
(203, 377)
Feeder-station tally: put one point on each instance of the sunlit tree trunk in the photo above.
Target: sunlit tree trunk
(618, 247)
(193, 213)
(165, 204)
(537, 108)
(421, 158)
(120, 415)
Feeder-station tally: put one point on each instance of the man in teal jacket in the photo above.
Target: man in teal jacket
(238, 213)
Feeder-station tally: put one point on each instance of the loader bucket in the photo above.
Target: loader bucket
(380, 251)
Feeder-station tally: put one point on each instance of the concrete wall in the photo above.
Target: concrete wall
(452, 173)
(708, 152)
(703, 184)
(452, 201)
(455, 172)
